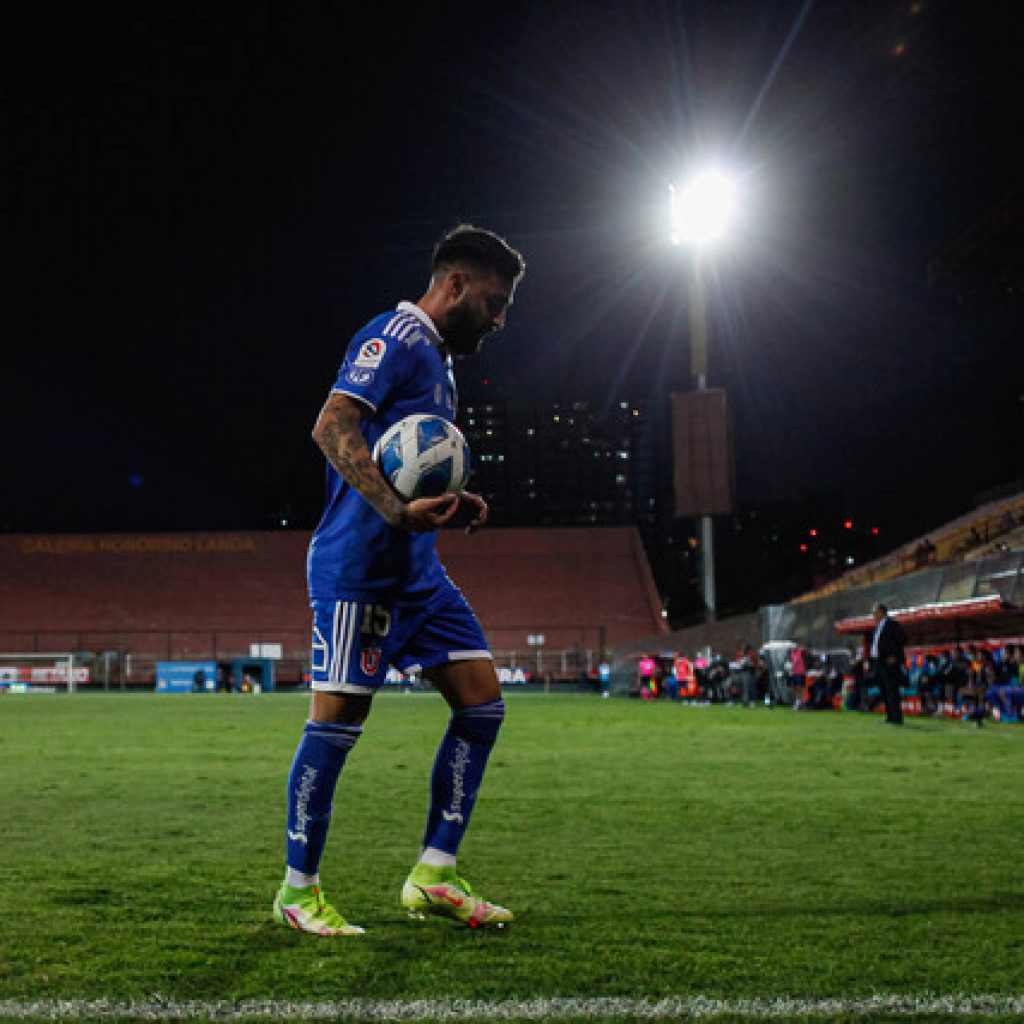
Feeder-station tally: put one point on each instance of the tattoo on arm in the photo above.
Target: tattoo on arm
(340, 439)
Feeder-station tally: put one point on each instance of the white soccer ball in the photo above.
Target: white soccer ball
(423, 456)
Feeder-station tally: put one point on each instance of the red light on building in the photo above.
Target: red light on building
(848, 525)
(874, 530)
(803, 547)
(813, 533)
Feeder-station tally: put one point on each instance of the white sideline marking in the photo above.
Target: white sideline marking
(692, 1007)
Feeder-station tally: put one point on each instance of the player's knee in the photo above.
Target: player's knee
(334, 734)
(340, 708)
(479, 723)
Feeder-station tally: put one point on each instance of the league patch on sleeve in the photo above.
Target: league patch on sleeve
(359, 376)
(370, 354)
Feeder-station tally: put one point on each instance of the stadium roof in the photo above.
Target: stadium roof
(967, 619)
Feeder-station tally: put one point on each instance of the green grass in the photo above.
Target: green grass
(649, 850)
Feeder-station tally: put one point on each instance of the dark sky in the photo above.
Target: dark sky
(204, 200)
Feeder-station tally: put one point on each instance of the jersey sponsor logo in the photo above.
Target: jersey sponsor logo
(358, 376)
(369, 660)
(371, 353)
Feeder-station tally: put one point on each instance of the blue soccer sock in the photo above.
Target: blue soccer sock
(458, 771)
(318, 762)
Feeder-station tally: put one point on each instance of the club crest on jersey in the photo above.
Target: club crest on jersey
(369, 660)
(371, 353)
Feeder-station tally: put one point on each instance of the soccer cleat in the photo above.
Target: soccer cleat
(434, 890)
(307, 911)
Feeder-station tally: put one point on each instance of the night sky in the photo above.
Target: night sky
(204, 200)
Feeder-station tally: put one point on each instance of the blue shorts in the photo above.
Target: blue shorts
(355, 640)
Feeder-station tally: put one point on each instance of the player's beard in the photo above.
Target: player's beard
(464, 329)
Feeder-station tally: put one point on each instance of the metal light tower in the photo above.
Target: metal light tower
(700, 213)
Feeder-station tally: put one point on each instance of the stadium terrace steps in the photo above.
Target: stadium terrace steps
(972, 535)
(80, 589)
(566, 583)
(152, 582)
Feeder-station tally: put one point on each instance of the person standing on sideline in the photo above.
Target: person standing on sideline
(797, 671)
(381, 597)
(887, 651)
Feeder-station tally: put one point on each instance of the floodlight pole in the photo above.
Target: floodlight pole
(699, 215)
(699, 369)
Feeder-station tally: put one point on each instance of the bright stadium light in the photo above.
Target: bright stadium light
(699, 215)
(701, 209)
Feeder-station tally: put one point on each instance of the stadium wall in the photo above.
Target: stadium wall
(725, 637)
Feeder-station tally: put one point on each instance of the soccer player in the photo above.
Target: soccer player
(380, 596)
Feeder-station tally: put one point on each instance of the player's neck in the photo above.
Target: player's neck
(432, 303)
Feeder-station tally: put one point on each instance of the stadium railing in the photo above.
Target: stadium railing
(128, 660)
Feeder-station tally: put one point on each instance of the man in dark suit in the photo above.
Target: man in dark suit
(887, 646)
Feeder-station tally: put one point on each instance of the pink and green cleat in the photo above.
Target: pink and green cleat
(308, 911)
(435, 890)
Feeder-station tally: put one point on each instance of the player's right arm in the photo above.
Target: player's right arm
(339, 437)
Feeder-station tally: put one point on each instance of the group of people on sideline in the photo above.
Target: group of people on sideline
(972, 681)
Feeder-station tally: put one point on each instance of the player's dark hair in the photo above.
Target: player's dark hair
(478, 249)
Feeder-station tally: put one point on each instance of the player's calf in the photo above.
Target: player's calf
(458, 772)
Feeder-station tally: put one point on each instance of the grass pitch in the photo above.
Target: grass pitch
(650, 851)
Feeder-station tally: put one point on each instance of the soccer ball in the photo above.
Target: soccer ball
(423, 456)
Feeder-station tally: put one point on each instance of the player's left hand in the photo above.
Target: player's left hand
(472, 512)
(422, 515)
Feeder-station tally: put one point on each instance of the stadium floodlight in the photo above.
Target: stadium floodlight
(701, 210)
(699, 215)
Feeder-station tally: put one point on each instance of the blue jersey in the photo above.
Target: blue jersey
(394, 367)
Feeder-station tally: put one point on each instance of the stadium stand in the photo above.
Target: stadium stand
(962, 583)
(191, 596)
(589, 587)
(984, 530)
